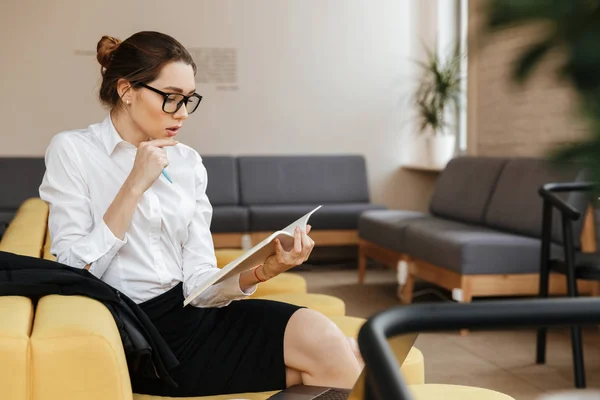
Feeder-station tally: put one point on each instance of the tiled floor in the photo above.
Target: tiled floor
(502, 361)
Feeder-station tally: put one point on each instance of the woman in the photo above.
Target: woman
(114, 212)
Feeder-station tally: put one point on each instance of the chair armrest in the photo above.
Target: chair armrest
(383, 377)
(77, 352)
(548, 191)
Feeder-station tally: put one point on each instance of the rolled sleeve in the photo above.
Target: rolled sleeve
(221, 294)
(97, 249)
(231, 286)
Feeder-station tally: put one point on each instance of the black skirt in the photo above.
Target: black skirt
(233, 349)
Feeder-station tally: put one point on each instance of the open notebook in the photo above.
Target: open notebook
(255, 256)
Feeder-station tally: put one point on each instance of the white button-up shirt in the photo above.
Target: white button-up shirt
(169, 239)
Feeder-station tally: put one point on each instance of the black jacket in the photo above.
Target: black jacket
(147, 353)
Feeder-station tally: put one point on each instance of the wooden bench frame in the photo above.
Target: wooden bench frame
(321, 238)
(476, 285)
(228, 240)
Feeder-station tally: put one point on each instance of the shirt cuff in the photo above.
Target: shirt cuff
(233, 289)
(100, 244)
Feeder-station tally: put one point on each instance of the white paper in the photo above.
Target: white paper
(255, 256)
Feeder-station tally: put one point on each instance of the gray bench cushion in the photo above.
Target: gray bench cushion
(516, 205)
(20, 179)
(387, 227)
(229, 219)
(302, 180)
(471, 249)
(222, 180)
(330, 216)
(464, 188)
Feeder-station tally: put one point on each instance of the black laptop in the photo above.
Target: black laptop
(402, 346)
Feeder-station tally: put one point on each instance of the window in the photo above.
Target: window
(452, 31)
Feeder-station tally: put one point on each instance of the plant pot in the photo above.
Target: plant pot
(419, 151)
(440, 149)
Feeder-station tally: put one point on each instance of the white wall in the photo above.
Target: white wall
(315, 76)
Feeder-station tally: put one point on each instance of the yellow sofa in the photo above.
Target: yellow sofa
(70, 348)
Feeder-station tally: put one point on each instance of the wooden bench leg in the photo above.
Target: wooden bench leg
(405, 292)
(362, 263)
(467, 296)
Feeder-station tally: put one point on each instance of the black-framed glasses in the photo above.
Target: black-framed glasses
(172, 102)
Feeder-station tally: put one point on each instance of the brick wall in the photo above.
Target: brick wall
(505, 119)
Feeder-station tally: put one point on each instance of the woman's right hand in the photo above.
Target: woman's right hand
(149, 162)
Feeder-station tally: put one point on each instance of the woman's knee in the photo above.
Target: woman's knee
(311, 335)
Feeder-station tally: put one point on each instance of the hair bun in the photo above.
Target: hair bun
(106, 48)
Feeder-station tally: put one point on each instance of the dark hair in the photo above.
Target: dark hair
(138, 59)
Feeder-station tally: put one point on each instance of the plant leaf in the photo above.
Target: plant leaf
(530, 58)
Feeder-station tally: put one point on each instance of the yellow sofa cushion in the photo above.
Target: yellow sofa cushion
(248, 396)
(47, 245)
(22, 250)
(454, 392)
(47, 255)
(288, 282)
(413, 367)
(16, 318)
(77, 352)
(26, 232)
(419, 392)
(34, 204)
(225, 256)
(328, 305)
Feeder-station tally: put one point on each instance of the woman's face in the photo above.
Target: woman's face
(146, 107)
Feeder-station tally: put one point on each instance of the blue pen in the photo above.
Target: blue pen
(166, 175)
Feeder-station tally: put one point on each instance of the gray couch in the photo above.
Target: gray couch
(229, 216)
(481, 236)
(20, 179)
(251, 195)
(262, 194)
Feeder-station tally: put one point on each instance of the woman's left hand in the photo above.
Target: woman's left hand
(283, 260)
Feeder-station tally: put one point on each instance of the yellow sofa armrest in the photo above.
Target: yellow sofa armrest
(16, 318)
(76, 351)
(26, 232)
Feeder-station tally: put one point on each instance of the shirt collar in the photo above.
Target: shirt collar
(109, 135)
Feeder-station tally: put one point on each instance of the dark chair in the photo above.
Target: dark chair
(383, 379)
(574, 264)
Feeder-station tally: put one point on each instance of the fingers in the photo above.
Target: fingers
(308, 228)
(297, 241)
(307, 246)
(278, 247)
(299, 253)
(160, 155)
(156, 152)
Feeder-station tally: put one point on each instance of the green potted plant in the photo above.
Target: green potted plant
(437, 100)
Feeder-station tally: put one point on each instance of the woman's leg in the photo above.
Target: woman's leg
(316, 352)
(356, 351)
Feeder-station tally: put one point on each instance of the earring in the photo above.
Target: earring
(127, 101)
